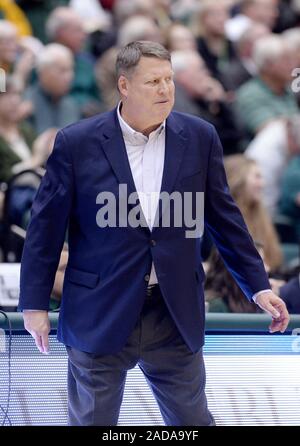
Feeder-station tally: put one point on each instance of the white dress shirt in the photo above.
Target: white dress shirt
(146, 158)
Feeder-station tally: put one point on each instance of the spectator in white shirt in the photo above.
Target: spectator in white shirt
(272, 148)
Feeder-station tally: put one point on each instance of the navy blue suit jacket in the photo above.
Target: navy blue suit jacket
(108, 268)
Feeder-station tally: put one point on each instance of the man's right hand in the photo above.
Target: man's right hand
(37, 323)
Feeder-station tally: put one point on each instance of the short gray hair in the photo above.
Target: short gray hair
(130, 55)
(58, 19)
(48, 56)
(268, 49)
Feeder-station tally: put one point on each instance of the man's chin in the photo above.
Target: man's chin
(164, 113)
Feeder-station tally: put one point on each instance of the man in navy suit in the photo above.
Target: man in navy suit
(133, 288)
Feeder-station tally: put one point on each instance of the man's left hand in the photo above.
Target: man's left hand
(276, 308)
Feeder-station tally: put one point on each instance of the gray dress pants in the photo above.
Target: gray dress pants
(175, 374)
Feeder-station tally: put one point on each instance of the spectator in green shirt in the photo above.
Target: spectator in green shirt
(268, 95)
(66, 27)
(52, 106)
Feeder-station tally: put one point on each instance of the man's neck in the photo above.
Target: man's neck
(139, 127)
(49, 95)
(274, 85)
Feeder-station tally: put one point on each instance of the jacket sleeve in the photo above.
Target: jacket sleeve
(46, 232)
(228, 229)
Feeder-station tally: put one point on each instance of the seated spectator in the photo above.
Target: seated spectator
(8, 45)
(16, 138)
(268, 96)
(264, 12)
(17, 54)
(122, 10)
(272, 149)
(19, 151)
(243, 69)
(213, 46)
(246, 186)
(138, 27)
(22, 187)
(66, 27)
(49, 96)
(289, 203)
(198, 93)
(41, 150)
(179, 38)
(222, 294)
(158, 11)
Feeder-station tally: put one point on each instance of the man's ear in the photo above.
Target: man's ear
(123, 86)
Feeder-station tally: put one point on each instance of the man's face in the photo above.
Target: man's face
(194, 76)
(149, 90)
(73, 36)
(57, 78)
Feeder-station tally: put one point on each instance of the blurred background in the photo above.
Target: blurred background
(236, 64)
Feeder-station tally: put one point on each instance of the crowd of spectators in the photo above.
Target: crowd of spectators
(236, 64)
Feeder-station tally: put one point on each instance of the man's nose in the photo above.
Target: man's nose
(163, 87)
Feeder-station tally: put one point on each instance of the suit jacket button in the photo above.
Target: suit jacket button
(147, 277)
(153, 242)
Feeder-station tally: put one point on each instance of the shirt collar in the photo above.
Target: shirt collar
(132, 136)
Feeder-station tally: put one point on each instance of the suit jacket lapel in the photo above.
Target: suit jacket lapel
(114, 148)
(176, 144)
(174, 151)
